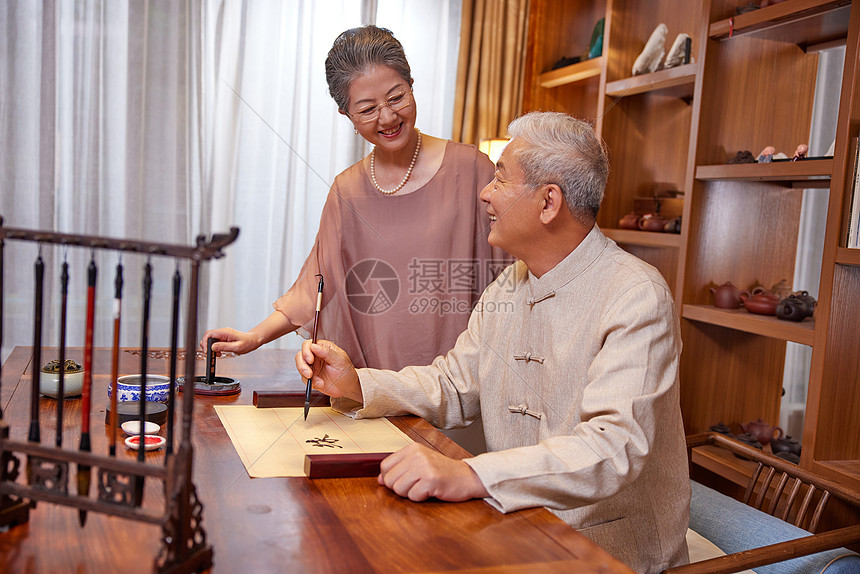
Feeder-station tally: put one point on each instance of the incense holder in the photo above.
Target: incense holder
(128, 388)
(73, 379)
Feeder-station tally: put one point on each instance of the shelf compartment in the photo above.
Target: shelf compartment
(571, 74)
(846, 472)
(846, 256)
(801, 22)
(806, 173)
(643, 238)
(677, 81)
(742, 320)
(723, 463)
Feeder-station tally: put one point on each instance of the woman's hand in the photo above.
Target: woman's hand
(337, 377)
(231, 340)
(239, 342)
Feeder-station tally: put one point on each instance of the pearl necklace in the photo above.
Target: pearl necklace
(405, 177)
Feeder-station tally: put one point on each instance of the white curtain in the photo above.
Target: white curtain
(161, 120)
(277, 141)
(810, 240)
(93, 140)
(272, 142)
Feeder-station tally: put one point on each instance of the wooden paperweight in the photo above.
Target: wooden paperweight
(275, 399)
(343, 465)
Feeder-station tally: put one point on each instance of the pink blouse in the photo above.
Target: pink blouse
(402, 272)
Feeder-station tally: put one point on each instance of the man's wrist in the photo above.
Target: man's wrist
(478, 490)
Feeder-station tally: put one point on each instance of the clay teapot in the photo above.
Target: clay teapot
(760, 302)
(673, 225)
(791, 309)
(788, 456)
(795, 308)
(748, 439)
(652, 222)
(781, 289)
(785, 444)
(761, 430)
(727, 296)
(629, 221)
(806, 298)
(721, 428)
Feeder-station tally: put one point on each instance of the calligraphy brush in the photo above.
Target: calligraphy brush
(84, 470)
(61, 391)
(314, 340)
(144, 351)
(39, 269)
(174, 340)
(114, 360)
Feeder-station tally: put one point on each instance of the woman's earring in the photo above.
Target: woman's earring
(355, 130)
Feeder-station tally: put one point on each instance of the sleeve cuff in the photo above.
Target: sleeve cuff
(476, 466)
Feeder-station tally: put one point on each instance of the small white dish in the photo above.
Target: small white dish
(152, 442)
(132, 428)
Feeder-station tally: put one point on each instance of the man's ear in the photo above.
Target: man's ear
(552, 203)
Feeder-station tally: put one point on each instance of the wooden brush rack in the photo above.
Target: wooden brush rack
(32, 472)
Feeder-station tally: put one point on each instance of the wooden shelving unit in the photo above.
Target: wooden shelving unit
(675, 129)
(677, 81)
(571, 74)
(802, 22)
(643, 238)
(804, 174)
(724, 463)
(742, 320)
(845, 256)
(844, 471)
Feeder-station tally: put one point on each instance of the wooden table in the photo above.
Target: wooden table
(275, 524)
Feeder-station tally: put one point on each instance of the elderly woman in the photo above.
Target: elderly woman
(402, 243)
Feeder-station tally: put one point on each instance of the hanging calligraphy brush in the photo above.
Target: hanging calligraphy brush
(61, 382)
(174, 340)
(114, 362)
(39, 269)
(84, 470)
(144, 351)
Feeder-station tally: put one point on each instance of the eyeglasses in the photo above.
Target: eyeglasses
(396, 103)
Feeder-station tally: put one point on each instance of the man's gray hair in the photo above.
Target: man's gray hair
(565, 151)
(357, 50)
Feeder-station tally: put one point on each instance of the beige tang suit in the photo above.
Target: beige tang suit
(576, 376)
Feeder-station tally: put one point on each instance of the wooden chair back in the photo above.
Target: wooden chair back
(783, 490)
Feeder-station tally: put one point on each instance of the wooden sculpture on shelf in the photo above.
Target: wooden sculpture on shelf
(31, 471)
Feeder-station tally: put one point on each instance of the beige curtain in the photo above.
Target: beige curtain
(490, 68)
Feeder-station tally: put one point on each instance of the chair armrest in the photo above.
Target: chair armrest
(772, 553)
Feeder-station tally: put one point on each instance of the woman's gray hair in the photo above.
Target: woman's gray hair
(565, 151)
(357, 50)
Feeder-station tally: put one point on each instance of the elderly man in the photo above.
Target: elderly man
(571, 356)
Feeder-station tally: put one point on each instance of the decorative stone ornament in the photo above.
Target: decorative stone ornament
(651, 57)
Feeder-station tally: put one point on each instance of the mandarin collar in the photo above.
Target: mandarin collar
(568, 268)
